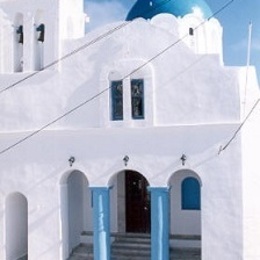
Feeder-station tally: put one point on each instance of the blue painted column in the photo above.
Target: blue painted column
(101, 221)
(160, 222)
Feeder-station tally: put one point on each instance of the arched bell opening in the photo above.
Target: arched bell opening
(18, 43)
(39, 40)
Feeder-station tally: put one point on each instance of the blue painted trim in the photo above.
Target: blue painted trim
(160, 222)
(190, 194)
(101, 221)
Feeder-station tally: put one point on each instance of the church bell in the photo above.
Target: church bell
(19, 32)
(41, 29)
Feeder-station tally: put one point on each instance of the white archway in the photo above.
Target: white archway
(16, 212)
(76, 212)
(184, 220)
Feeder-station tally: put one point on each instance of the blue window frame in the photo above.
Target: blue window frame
(117, 100)
(137, 98)
(190, 191)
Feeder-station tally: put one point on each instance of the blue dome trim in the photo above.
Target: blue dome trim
(149, 8)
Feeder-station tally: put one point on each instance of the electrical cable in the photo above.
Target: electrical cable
(94, 96)
(179, 40)
(84, 46)
(221, 149)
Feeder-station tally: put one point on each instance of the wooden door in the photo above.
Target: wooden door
(137, 203)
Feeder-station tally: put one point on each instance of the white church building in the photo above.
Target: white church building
(136, 127)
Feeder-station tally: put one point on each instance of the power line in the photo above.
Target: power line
(221, 9)
(179, 40)
(81, 105)
(94, 96)
(84, 46)
(221, 149)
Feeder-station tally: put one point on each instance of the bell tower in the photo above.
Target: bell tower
(33, 32)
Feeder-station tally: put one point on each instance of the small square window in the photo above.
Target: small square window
(137, 98)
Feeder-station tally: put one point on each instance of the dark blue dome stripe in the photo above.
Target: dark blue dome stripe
(149, 8)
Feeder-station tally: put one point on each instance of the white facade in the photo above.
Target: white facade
(193, 105)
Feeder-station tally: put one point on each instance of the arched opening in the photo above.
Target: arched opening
(39, 39)
(185, 208)
(131, 202)
(16, 227)
(18, 43)
(76, 212)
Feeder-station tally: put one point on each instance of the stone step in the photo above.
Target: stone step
(131, 239)
(185, 253)
(82, 251)
(129, 257)
(85, 252)
(25, 257)
(129, 246)
(135, 246)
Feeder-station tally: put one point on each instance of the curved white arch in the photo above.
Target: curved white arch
(188, 171)
(16, 226)
(75, 205)
(183, 221)
(117, 170)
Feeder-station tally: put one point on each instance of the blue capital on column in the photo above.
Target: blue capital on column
(101, 220)
(160, 222)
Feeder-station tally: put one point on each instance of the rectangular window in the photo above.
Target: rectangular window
(137, 98)
(117, 99)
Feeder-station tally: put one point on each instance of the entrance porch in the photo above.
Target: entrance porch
(132, 220)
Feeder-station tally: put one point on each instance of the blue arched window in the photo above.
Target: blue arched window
(190, 194)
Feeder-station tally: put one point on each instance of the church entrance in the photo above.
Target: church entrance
(137, 203)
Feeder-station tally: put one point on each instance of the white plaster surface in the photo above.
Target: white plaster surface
(193, 105)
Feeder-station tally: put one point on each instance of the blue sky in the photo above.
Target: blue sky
(235, 20)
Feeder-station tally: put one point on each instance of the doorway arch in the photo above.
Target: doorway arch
(16, 226)
(76, 211)
(131, 201)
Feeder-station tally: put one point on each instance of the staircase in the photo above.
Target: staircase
(128, 246)
(131, 246)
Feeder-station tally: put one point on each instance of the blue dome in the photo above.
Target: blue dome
(149, 8)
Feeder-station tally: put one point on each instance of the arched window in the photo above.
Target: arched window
(190, 194)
